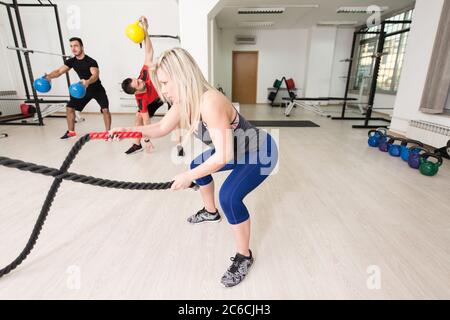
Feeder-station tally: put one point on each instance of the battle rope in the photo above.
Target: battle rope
(61, 175)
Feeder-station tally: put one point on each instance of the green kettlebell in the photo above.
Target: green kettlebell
(427, 167)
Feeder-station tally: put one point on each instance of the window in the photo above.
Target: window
(365, 62)
(391, 63)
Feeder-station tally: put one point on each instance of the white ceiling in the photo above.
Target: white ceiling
(295, 17)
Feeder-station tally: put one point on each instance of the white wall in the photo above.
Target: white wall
(384, 100)
(222, 75)
(322, 42)
(8, 60)
(280, 53)
(6, 80)
(326, 72)
(195, 28)
(415, 68)
(343, 46)
(216, 54)
(102, 25)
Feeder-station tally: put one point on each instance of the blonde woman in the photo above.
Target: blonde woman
(249, 153)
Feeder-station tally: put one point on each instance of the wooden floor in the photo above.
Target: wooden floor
(335, 211)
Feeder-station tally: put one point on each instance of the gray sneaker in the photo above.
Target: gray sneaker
(204, 216)
(238, 270)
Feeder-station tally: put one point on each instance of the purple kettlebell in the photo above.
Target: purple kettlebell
(383, 146)
(414, 157)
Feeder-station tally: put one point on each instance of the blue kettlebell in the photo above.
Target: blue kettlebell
(375, 136)
(77, 90)
(395, 149)
(405, 150)
(414, 157)
(42, 85)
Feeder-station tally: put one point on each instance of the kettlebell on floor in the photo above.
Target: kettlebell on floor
(427, 167)
(414, 156)
(375, 136)
(384, 146)
(405, 150)
(395, 149)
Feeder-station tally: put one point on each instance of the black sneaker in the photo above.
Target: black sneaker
(69, 134)
(180, 151)
(238, 270)
(204, 216)
(134, 148)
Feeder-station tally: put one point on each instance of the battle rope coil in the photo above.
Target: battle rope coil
(61, 175)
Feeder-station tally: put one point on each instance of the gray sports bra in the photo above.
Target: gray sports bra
(246, 135)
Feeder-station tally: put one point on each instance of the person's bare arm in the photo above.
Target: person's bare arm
(155, 130)
(56, 73)
(147, 42)
(94, 77)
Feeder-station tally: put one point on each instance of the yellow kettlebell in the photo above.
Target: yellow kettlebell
(135, 32)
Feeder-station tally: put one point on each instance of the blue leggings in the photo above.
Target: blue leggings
(248, 172)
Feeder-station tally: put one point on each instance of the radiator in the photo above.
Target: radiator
(432, 134)
(8, 108)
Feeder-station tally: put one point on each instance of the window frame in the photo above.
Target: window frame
(405, 14)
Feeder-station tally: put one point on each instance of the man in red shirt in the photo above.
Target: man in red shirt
(146, 95)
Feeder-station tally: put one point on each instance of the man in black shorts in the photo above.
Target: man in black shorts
(88, 72)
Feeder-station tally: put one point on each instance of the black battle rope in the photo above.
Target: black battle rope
(61, 175)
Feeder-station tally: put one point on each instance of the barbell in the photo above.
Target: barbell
(26, 50)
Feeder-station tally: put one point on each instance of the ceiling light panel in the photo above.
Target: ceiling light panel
(256, 24)
(261, 10)
(361, 9)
